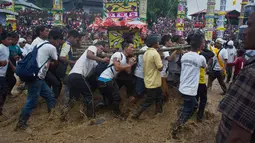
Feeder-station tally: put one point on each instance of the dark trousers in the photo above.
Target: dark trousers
(54, 83)
(154, 95)
(202, 98)
(11, 80)
(3, 92)
(220, 77)
(229, 73)
(110, 92)
(139, 87)
(78, 85)
(234, 77)
(189, 105)
(129, 84)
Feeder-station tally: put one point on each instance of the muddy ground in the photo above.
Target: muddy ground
(150, 129)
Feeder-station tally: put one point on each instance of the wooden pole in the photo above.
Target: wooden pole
(139, 52)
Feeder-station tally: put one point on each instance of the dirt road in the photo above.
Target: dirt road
(150, 129)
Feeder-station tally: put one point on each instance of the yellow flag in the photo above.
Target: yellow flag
(234, 2)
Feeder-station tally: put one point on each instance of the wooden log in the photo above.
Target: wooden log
(139, 52)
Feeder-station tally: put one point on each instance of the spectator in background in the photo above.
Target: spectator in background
(22, 44)
(231, 58)
(15, 55)
(238, 63)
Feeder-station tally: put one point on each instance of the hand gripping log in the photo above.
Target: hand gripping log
(140, 52)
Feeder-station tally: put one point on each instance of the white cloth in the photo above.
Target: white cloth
(28, 48)
(139, 66)
(110, 73)
(231, 54)
(189, 80)
(44, 53)
(4, 56)
(37, 41)
(84, 65)
(223, 56)
(24, 51)
(165, 63)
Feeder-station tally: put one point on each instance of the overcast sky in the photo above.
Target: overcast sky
(197, 5)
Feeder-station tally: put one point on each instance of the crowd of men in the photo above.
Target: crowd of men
(149, 76)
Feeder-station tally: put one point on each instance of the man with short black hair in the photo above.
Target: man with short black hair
(39, 87)
(5, 39)
(107, 84)
(153, 65)
(191, 63)
(219, 65)
(83, 69)
(42, 33)
(66, 60)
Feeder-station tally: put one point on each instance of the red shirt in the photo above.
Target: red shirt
(238, 63)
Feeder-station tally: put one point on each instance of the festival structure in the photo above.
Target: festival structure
(181, 15)
(220, 23)
(241, 18)
(10, 18)
(209, 20)
(58, 12)
(122, 21)
(5, 12)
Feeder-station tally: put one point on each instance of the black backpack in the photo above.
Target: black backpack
(101, 67)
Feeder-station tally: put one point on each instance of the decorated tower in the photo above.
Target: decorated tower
(143, 10)
(181, 15)
(221, 19)
(209, 20)
(58, 12)
(10, 19)
(241, 18)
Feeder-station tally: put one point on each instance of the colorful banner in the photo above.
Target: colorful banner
(11, 18)
(58, 12)
(181, 14)
(122, 14)
(118, 36)
(58, 4)
(121, 9)
(143, 9)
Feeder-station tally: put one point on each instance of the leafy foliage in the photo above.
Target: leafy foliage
(161, 8)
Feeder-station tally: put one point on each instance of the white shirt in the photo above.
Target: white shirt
(37, 41)
(231, 54)
(223, 56)
(165, 63)
(28, 48)
(139, 66)
(85, 66)
(4, 56)
(24, 51)
(44, 53)
(110, 73)
(189, 80)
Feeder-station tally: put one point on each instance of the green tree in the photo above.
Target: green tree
(161, 8)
